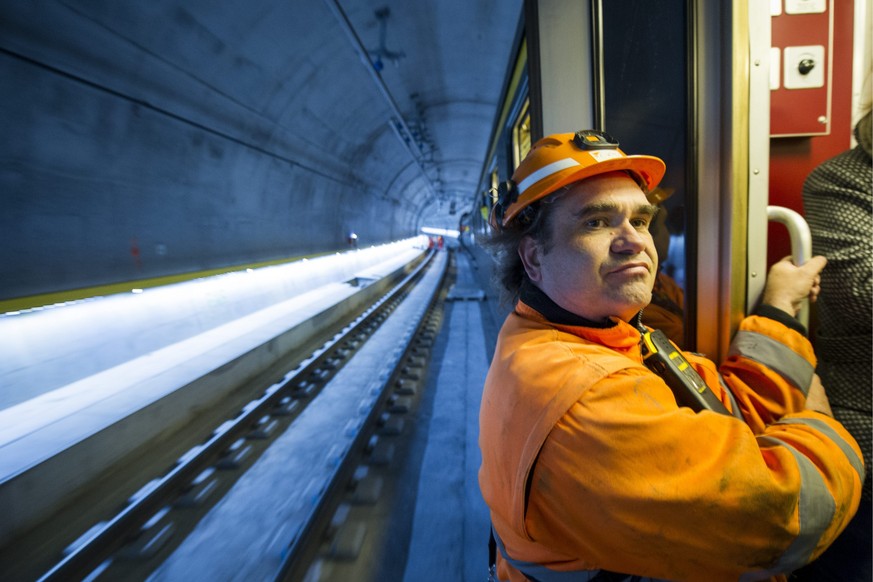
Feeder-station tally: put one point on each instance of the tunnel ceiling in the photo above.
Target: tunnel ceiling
(431, 80)
(410, 120)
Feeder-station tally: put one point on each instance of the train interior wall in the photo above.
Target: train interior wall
(793, 158)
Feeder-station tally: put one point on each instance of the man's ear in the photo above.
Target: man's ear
(529, 252)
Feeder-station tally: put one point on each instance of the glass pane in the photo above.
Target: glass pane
(521, 134)
(646, 108)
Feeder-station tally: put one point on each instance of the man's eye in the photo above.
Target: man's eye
(641, 223)
(596, 223)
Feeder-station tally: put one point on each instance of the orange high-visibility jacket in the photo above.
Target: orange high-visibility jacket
(588, 463)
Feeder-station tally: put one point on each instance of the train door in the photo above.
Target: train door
(673, 78)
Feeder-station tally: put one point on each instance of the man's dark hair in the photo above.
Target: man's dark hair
(508, 273)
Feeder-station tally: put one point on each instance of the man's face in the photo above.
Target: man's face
(600, 260)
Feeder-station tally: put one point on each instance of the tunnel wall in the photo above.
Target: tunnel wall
(121, 160)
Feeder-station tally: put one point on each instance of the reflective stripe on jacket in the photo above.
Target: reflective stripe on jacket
(589, 464)
(537, 573)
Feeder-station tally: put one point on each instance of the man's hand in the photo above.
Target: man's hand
(788, 285)
(817, 398)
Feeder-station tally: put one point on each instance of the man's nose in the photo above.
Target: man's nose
(628, 239)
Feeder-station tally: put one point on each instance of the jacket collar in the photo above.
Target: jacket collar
(534, 297)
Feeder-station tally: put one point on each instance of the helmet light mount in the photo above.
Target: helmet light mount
(507, 195)
(592, 139)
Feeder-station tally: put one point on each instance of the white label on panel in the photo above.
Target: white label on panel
(775, 7)
(805, 6)
(804, 67)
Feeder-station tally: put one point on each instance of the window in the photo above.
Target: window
(521, 135)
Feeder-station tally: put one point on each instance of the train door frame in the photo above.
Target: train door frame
(735, 261)
(732, 41)
(716, 213)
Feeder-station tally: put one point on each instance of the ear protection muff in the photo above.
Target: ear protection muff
(507, 194)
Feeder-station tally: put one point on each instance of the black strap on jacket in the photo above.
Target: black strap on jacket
(492, 556)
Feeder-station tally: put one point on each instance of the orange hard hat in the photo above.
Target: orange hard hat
(563, 158)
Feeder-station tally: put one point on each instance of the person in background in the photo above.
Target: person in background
(838, 205)
(590, 467)
(667, 309)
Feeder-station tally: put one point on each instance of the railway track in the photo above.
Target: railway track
(145, 535)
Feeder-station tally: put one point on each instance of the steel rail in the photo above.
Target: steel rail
(296, 556)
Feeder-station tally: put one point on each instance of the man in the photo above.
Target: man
(590, 468)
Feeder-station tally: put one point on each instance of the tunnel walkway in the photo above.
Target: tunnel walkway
(450, 525)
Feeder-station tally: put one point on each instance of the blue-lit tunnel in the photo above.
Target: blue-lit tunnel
(144, 141)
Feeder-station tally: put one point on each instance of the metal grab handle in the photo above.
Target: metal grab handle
(801, 245)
